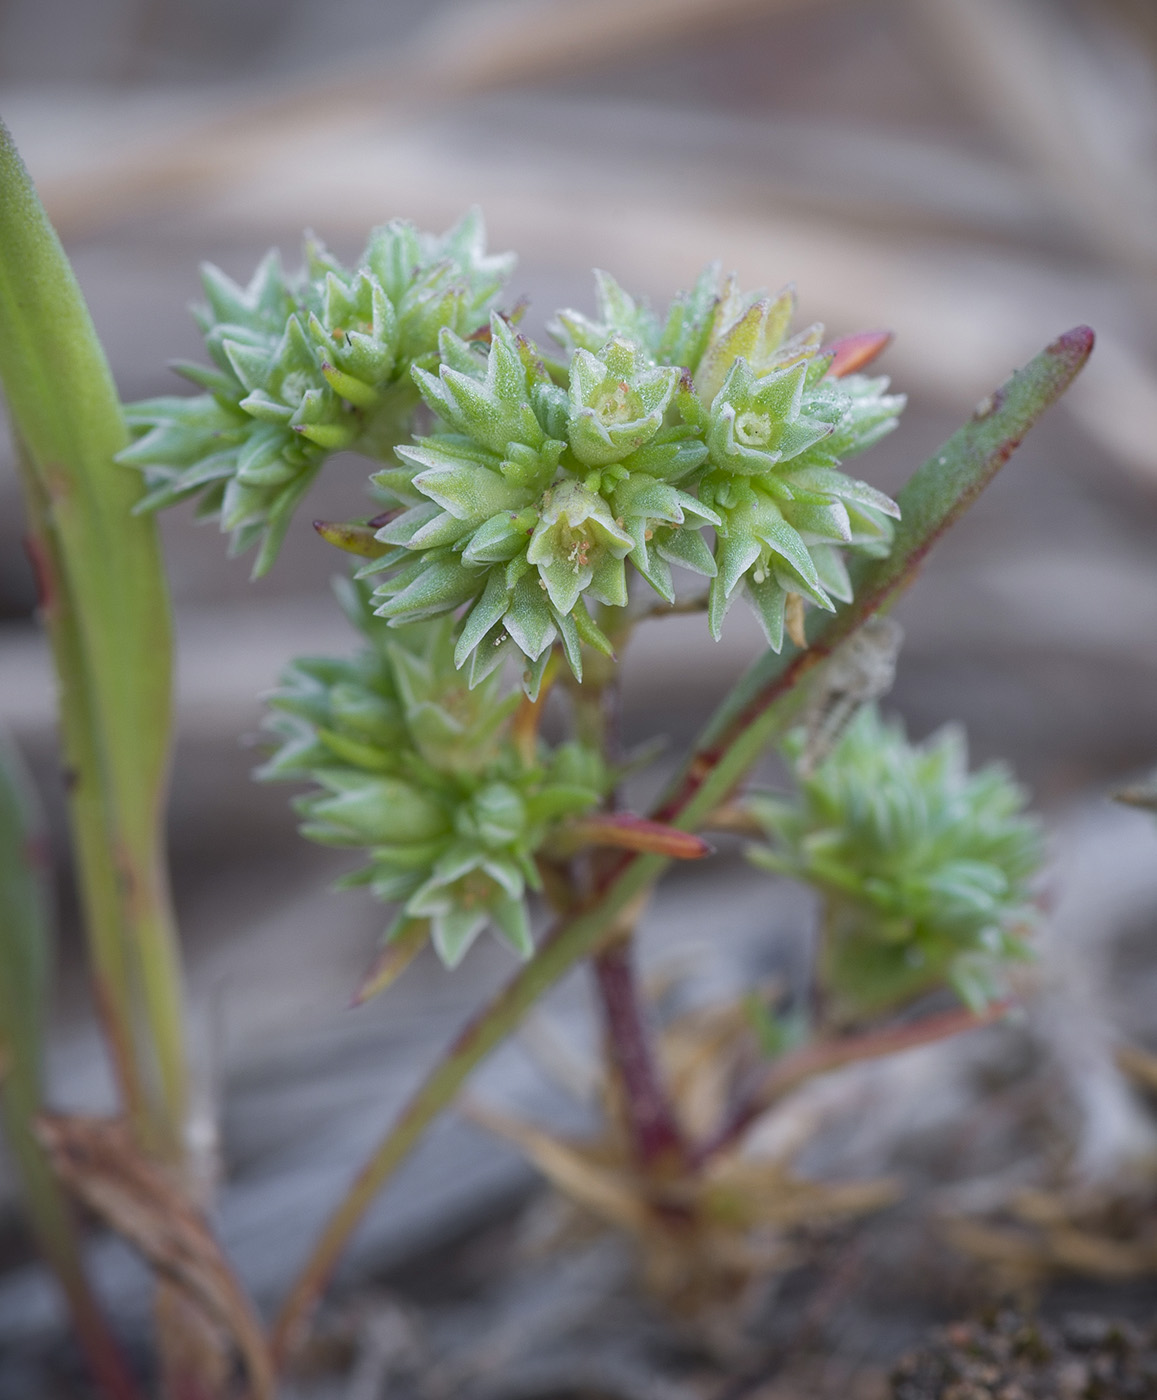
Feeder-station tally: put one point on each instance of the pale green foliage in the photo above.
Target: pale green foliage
(533, 501)
(544, 481)
(306, 366)
(924, 867)
(775, 441)
(539, 485)
(419, 770)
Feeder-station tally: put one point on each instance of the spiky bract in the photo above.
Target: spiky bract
(418, 770)
(542, 481)
(924, 867)
(306, 366)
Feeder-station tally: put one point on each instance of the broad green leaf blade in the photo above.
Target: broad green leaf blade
(25, 942)
(109, 602)
(762, 706)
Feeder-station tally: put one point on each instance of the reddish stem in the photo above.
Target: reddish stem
(106, 1361)
(655, 1135)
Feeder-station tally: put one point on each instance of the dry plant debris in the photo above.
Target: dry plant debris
(99, 1162)
(707, 1233)
(1105, 1229)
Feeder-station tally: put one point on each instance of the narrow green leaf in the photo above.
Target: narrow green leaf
(402, 943)
(106, 606)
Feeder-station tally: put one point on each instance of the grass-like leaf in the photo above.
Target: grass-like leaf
(105, 604)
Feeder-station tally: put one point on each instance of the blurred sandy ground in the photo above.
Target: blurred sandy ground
(977, 175)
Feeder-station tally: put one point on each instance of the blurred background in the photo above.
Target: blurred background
(976, 175)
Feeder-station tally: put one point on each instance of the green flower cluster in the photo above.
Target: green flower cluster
(421, 771)
(924, 868)
(711, 440)
(542, 480)
(307, 366)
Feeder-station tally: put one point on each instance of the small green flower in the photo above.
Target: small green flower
(924, 868)
(757, 422)
(774, 441)
(767, 413)
(618, 315)
(679, 339)
(577, 546)
(618, 401)
(306, 367)
(416, 769)
(753, 329)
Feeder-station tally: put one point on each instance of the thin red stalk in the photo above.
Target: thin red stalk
(823, 1056)
(655, 1135)
(656, 1141)
(106, 1361)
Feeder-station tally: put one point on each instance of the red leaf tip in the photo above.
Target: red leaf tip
(852, 352)
(633, 833)
(1077, 343)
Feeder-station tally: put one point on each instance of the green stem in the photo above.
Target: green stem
(571, 940)
(764, 703)
(55, 1229)
(25, 971)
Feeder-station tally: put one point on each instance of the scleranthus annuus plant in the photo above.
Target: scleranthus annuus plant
(708, 441)
(527, 509)
(520, 532)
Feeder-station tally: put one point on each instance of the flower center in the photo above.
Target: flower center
(614, 405)
(475, 890)
(753, 429)
(294, 386)
(579, 555)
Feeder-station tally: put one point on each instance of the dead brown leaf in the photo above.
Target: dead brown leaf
(1101, 1233)
(143, 1201)
(706, 1235)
